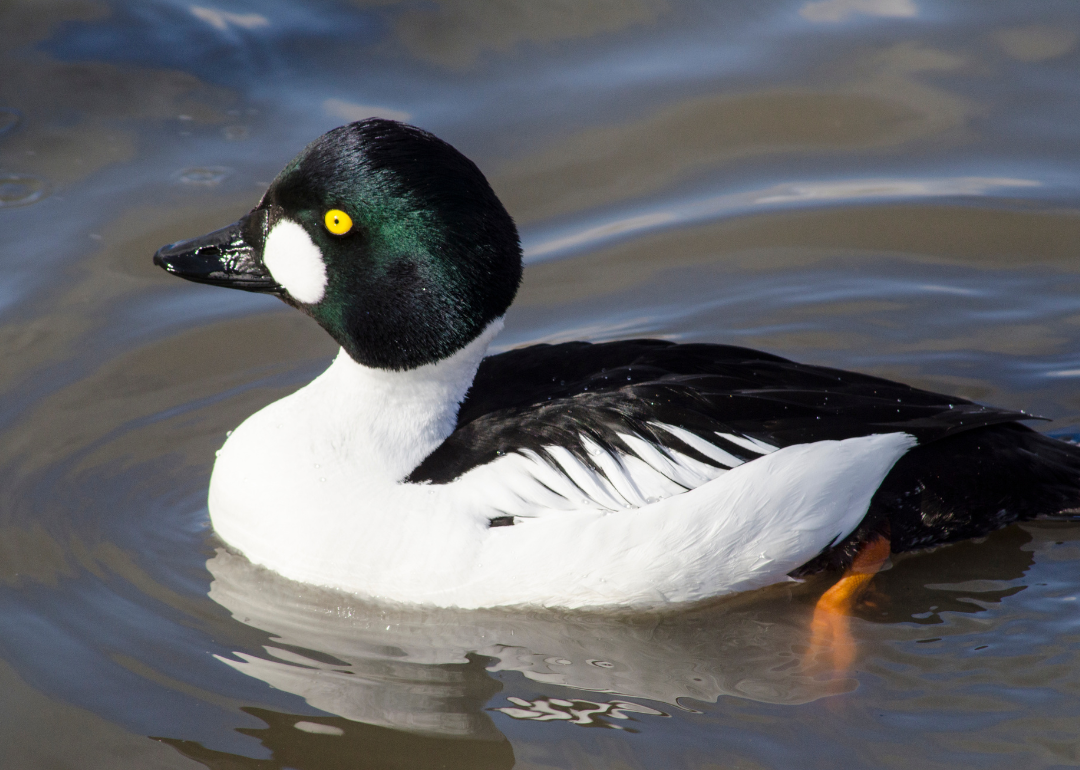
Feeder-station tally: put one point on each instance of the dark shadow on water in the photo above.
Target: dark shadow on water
(963, 574)
(329, 743)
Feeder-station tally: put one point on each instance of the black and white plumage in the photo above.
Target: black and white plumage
(633, 473)
(730, 405)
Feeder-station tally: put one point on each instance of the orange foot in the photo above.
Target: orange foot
(831, 626)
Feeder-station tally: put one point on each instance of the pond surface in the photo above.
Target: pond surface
(891, 186)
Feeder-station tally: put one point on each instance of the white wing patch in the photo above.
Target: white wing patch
(527, 485)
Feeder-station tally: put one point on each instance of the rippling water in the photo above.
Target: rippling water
(884, 185)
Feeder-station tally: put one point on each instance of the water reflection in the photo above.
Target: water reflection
(404, 668)
(812, 193)
(351, 111)
(203, 176)
(841, 10)
(222, 20)
(8, 120)
(443, 673)
(21, 189)
(1038, 42)
(414, 669)
(296, 742)
(578, 711)
(455, 33)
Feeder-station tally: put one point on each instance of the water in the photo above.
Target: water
(884, 185)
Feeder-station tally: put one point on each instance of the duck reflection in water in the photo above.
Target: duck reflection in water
(439, 674)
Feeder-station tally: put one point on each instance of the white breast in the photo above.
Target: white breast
(432, 544)
(310, 487)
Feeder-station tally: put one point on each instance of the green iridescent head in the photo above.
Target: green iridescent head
(386, 235)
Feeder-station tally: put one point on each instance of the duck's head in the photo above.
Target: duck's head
(386, 235)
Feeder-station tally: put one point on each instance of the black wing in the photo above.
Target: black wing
(976, 468)
(570, 394)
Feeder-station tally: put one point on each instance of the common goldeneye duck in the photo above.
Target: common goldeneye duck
(633, 473)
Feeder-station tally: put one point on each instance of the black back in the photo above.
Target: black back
(975, 469)
(557, 394)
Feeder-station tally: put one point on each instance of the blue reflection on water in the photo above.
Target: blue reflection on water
(230, 43)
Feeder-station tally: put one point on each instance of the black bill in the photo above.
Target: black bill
(225, 257)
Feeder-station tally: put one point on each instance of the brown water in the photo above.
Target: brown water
(891, 186)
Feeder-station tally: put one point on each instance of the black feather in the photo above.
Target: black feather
(975, 469)
(560, 395)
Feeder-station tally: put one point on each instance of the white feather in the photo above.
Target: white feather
(310, 487)
(711, 451)
(295, 261)
(748, 443)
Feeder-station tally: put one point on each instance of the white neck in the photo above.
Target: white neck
(384, 423)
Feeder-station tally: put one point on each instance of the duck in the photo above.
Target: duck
(636, 473)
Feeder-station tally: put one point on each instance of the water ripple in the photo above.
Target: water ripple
(21, 189)
(203, 176)
(8, 120)
(786, 195)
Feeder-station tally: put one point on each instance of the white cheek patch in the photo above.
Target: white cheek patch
(295, 262)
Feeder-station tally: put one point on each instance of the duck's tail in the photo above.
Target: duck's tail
(963, 486)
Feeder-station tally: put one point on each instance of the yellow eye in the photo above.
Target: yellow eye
(337, 221)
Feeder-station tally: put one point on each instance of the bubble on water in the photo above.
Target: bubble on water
(8, 120)
(203, 176)
(235, 133)
(21, 189)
